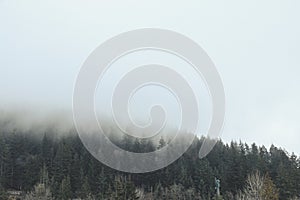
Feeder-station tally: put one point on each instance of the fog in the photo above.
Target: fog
(35, 121)
(255, 46)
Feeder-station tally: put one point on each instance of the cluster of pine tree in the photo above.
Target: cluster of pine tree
(61, 168)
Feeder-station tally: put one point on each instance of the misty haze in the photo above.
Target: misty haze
(149, 100)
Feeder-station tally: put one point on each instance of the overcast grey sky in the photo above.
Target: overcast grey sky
(254, 44)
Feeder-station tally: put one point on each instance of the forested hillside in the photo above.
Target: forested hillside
(59, 167)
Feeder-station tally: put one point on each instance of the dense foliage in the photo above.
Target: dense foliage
(60, 167)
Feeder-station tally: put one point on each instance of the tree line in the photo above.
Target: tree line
(59, 167)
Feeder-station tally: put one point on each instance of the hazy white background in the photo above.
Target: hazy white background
(254, 44)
